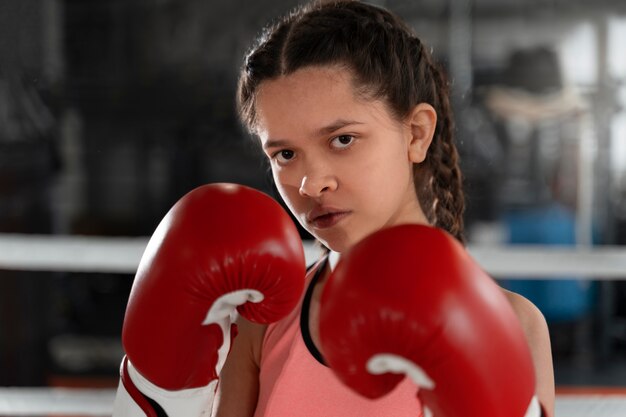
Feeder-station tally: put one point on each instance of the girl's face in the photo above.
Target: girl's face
(342, 164)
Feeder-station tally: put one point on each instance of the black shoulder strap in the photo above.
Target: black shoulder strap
(304, 315)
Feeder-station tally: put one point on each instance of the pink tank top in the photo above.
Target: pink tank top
(294, 383)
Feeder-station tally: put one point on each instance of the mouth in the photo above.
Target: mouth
(325, 218)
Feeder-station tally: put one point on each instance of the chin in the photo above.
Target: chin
(330, 243)
(337, 244)
(343, 241)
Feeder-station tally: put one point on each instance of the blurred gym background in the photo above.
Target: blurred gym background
(112, 110)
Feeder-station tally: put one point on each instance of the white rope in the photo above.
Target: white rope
(122, 255)
(70, 253)
(35, 402)
(81, 253)
(600, 262)
(590, 405)
(55, 401)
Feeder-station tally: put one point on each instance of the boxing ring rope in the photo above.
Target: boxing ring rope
(56, 401)
(99, 402)
(122, 255)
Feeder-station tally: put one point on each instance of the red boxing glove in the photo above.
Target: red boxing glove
(221, 247)
(409, 300)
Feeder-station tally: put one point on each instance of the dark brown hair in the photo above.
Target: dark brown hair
(388, 62)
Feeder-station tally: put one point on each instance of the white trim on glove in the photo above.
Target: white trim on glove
(387, 362)
(223, 312)
(194, 402)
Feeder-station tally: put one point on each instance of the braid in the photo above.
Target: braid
(438, 179)
(446, 181)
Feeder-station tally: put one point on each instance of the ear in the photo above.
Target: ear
(421, 123)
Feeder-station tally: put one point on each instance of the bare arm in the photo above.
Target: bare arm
(538, 337)
(238, 387)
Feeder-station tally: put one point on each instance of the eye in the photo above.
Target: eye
(342, 141)
(283, 156)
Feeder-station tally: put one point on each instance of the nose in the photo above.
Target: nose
(315, 185)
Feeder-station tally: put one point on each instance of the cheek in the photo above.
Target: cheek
(288, 186)
(290, 194)
(388, 178)
(386, 169)
(284, 178)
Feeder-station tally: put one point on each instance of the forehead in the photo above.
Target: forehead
(308, 99)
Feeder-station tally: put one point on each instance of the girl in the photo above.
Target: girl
(354, 117)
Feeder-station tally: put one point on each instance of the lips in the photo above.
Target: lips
(325, 217)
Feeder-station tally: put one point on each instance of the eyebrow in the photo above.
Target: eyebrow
(323, 131)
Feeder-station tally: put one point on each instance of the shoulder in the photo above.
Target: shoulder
(537, 335)
(530, 317)
(533, 323)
